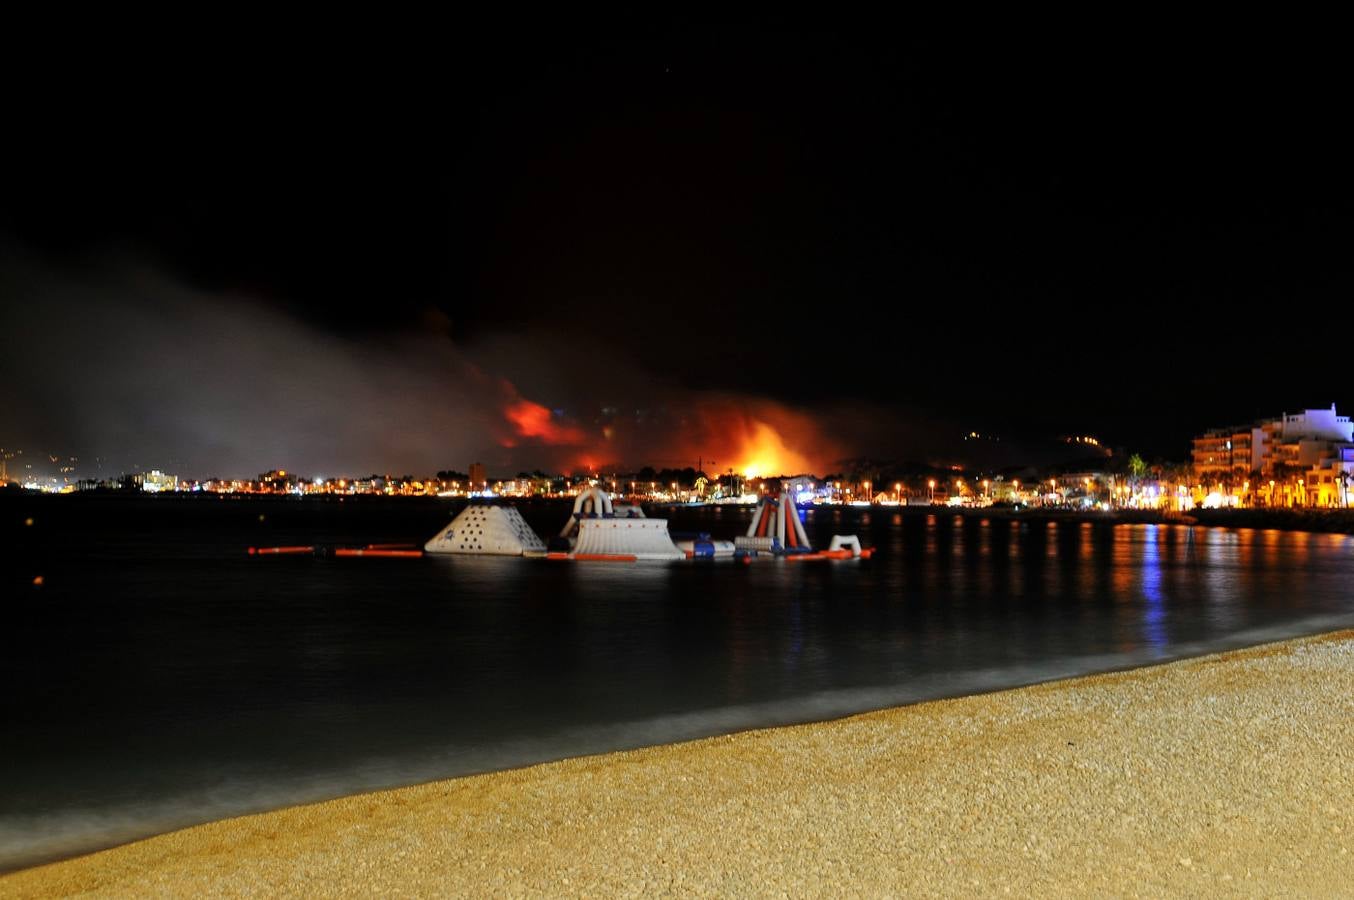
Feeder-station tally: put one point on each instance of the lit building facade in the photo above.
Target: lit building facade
(1297, 459)
(154, 481)
(1229, 455)
(478, 480)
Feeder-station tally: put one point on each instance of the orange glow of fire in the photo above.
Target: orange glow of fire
(753, 436)
(763, 451)
(531, 420)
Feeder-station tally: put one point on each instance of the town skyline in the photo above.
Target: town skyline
(1305, 459)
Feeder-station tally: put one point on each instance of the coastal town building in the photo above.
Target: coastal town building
(277, 481)
(478, 480)
(1296, 459)
(1229, 455)
(154, 481)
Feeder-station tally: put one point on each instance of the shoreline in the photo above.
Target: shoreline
(1042, 788)
(1085, 667)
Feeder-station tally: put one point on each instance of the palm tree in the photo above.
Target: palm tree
(1282, 474)
(1137, 466)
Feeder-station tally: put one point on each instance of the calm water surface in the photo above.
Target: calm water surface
(160, 677)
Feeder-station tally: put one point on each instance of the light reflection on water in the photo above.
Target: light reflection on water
(161, 677)
(1153, 630)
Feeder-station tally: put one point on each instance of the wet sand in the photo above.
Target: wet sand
(1231, 774)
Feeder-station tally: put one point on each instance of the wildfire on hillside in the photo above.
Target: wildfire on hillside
(719, 432)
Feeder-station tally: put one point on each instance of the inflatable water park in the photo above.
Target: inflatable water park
(601, 529)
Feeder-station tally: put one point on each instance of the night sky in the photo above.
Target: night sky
(355, 255)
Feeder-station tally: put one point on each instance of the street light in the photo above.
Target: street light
(931, 485)
(1231, 462)
(898, 492)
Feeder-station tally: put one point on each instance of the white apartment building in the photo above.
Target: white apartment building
(1303, 459)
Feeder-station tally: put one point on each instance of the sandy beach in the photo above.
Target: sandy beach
(1226, 775)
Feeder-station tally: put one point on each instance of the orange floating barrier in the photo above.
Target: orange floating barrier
(392, 546)
(828, 554)
(279, 551)
(606, 557)
(392, 554)
(556, 555)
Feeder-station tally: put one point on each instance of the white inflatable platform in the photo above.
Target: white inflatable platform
(493, 530)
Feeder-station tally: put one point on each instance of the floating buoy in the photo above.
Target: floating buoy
(37, 581)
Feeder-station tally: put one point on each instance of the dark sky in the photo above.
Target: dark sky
(1134, 235)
